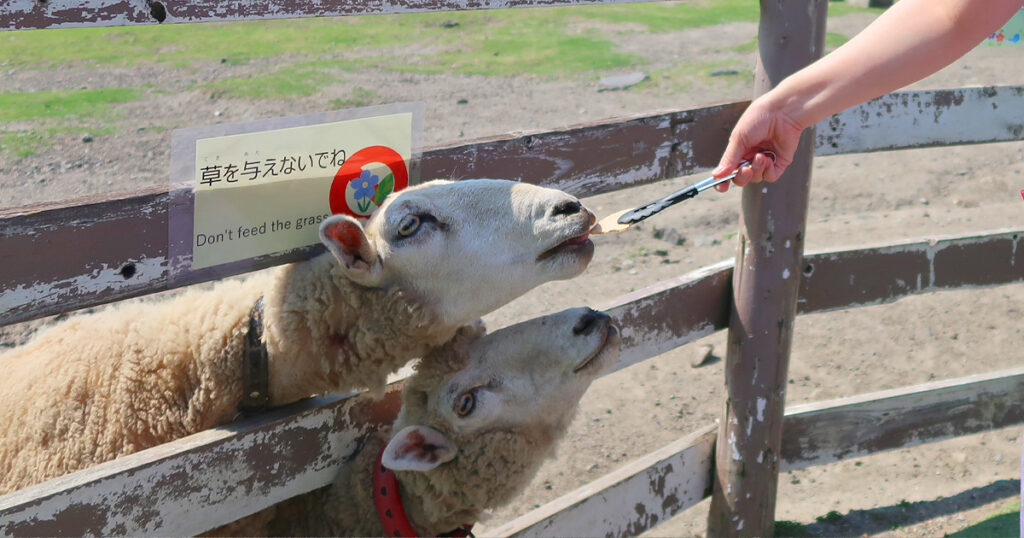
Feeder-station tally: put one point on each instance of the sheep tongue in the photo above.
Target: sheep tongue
(610, 224)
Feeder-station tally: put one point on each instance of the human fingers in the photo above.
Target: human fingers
(762, 165)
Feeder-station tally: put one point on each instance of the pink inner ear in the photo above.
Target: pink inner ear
(345, 234)
(417, 445)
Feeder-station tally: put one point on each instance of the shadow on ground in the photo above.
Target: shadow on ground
(886, 518)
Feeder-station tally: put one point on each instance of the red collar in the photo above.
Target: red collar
(390, 511)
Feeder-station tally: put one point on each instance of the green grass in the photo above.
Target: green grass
(301, 80)
(790, 529)
(360, 97)
(686, 75)
(62, 103)
(72, 107)
(492, 42)
(23, 143)
(552, 41)
(1003, 522)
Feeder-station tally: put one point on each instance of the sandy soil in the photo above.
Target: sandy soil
(855, 199)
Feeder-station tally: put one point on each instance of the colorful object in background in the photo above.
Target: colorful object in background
(1010, 34)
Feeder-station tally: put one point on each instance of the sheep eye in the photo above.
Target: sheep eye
(465, 404)
(409, 225)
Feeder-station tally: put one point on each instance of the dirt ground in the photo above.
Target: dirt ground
(855, 200)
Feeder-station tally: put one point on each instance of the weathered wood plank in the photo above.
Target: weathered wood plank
(264, 461)
(36, 14)
(814, 434)
(920, 119)
(205, 480)
(819, 433)
(882, 274)
(629, 500)
(61, 258)
(652, 322)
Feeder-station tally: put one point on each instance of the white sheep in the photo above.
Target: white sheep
(432, 259)
(478, 418)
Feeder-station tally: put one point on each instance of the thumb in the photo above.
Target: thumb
(731, 159)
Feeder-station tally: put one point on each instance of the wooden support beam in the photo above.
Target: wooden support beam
(765, 287)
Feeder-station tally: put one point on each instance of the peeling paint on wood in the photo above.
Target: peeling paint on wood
(36, 14)
(814, 434)
(205, 480)
(628, 501)
(919, 119)
(820, 433)
(223, 474)
(877, 275)
(60, 259)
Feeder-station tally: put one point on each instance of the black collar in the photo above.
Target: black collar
(255, 369)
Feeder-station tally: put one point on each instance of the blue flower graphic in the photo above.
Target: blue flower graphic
(364, 185)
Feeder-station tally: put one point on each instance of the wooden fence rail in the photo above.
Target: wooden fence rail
(38, 14)
(58, 257)
(653, 488)
(223, 474)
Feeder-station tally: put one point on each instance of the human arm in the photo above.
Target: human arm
(911, 40)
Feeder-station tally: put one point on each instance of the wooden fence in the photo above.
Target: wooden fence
(57, 258)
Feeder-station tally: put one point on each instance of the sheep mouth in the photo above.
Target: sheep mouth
(609, 344)
(575, 245)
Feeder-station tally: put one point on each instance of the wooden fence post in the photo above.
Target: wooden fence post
(765, 285)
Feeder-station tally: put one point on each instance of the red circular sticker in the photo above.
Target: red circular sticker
(365, 179)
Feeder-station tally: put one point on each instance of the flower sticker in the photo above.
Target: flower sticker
(365, 179)
(364, 189)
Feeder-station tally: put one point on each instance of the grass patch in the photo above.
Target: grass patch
(790, 528)
(24, 143)
(182, 44)
(61, 103)
(20, 143)
(517, 53)
(1003, 522)
(360, 97)
(684, 76)
(297, 81)
(492, 42)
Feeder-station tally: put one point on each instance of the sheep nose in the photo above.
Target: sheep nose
(567, 208)
(590, 321)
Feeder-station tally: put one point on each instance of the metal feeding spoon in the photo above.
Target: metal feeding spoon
(622, 220)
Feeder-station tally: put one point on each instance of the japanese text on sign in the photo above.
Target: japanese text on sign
(266, 192)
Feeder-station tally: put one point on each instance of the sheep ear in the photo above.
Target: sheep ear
(346, 239)
(417, 448)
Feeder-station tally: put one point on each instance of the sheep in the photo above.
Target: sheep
(478, 418)
(432, 259)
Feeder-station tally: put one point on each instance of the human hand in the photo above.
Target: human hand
(761, 130)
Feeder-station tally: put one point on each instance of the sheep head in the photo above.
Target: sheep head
(482, 413)
(464, 248)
